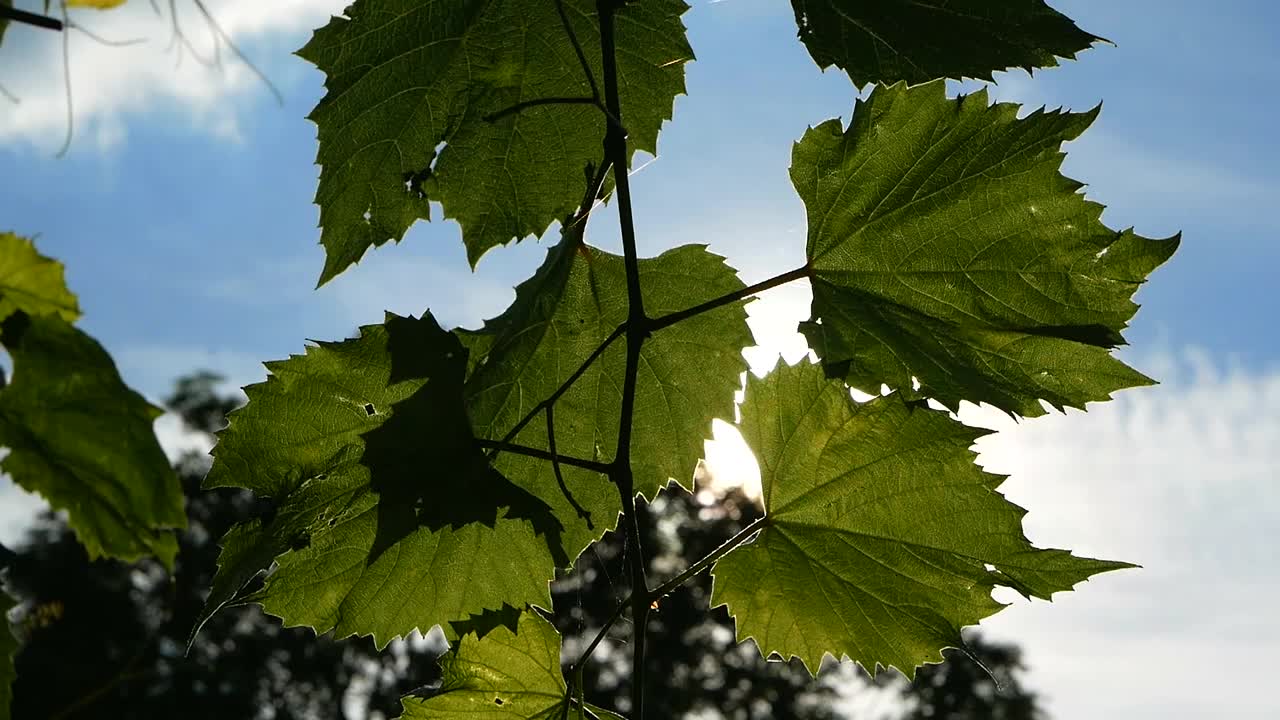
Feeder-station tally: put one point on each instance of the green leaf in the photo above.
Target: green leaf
(879, 529)
(688, 374)
(387, 517)
(81, 438)
(31, 282)
(945, 246)
(892, 40)
(503, 676)
(405, 76)
(8, 651)
(4, 25)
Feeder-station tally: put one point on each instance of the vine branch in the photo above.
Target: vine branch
(502, 445)
(526, 104)
(555, 467)
(615, 146)
(551, 399)
(707, 561)
(30, 18)
(670, 319)
(669, 586)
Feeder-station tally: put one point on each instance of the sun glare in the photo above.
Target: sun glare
(729, 462)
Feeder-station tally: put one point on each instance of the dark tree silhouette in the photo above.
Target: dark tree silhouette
(959, 689)
(107, 640)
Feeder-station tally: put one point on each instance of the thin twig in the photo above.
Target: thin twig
(236, 49)
(592, 465)
(66, 78)
(670, 319)
(73, 25)
(33, 19)
(536, 102)
(608, 624)
(577, 48)
(596, 175)
(555, 466)
(725, 548)
(564, 387)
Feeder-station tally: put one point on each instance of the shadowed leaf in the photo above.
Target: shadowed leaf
(891, 40)
(387, 516)
(688, 374)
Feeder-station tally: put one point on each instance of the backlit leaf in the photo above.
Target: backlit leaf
(406, 76)
(31, 282)
(78, 436)
(387, 517)
(502, 676)
(880, 529)
(688, 374)
(945, 246)
(4, 26)
(95, 4)
(892, 40)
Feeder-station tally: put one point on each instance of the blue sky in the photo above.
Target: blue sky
(183, 214)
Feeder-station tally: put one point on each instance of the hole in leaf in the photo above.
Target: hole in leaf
(369, 409)
(498, 701)
(414, 181)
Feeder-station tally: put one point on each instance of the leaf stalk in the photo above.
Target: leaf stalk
(503, 446)
(670, 319)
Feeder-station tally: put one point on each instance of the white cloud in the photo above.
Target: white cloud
(1181, 479)
(109, 85)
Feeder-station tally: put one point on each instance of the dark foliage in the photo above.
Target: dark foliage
(959, 689)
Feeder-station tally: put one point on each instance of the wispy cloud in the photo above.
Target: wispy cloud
(111, 85)
(1179, 478)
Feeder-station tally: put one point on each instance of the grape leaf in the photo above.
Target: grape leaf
(387, 516)
(504, 676)
(944, 245)
(95, 4)
(879, 529)
(8, 650)
(688, 373)
(916, 41)
(4, 26)
(78, 436)
(405, 76)
(31, 282)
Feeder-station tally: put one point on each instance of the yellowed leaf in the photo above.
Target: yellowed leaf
(98, 4)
